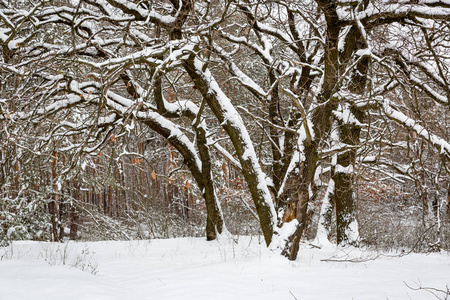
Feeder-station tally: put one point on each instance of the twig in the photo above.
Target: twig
(293, 295)
(434, 291)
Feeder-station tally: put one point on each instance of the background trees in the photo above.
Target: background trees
(310, 101)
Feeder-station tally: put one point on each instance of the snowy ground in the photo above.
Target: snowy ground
(192, 268)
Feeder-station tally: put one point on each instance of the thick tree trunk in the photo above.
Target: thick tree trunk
(298, 209)
(349, 134)
(54, 212)
(232, 123)
(275, 118)
(345, 208)
(326, 214)
(74, 221)
(344, 177)
(322, 120)
(214, 219)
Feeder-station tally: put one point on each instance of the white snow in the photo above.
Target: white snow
(346, 170)
(342, 37)
(322, 233)
(344, 114)
(14, 44)
(363, 52)
(442, 145)
(192, 268)
(352, 231)
(282, 236)
(392, 8)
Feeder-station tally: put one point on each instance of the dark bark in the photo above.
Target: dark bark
(53, 205)
(53, 210)
(448, 203)
(214, 219)
(235, 134)
(74, 216)
(349, 134)
(74, 221)
(322, 120)
(183, 13)
(275, 118)
(298, 208)
(344, 195)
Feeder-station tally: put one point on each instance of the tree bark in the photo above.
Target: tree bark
(214, 218)
(322, 120)
(232, 123)
(53, 205)
(448, 203)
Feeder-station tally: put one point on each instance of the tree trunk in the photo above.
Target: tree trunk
(299, 207)
(214, 218)
(349, 134)
(74, 221)
(448, 203)
(232, 123)
(53, 205)
(344, 177)
(74, 216)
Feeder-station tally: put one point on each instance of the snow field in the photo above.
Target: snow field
(192, 268)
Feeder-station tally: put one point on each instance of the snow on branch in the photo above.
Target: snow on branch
(345, 116)
(245, 80)
(232, 122)
(262, 52)
(141, 14)
(442, 145)
(161, 125)
(227, 155)
(149, 55)
(430, 91)
(230, 115)
(171, 132)
(394, 12)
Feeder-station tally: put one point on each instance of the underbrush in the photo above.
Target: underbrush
(390, 224)
(160, 222)
(24, 217)
(403, 226)
(55, 254)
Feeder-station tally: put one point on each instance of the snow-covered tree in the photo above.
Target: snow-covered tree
(319, 82)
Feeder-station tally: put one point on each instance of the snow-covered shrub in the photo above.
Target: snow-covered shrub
(140, 223)
(239, 213)
(395, 220)
(24, 217)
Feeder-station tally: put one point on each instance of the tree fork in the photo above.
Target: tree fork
(250, 168)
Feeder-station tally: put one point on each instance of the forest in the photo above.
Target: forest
(300, 122)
